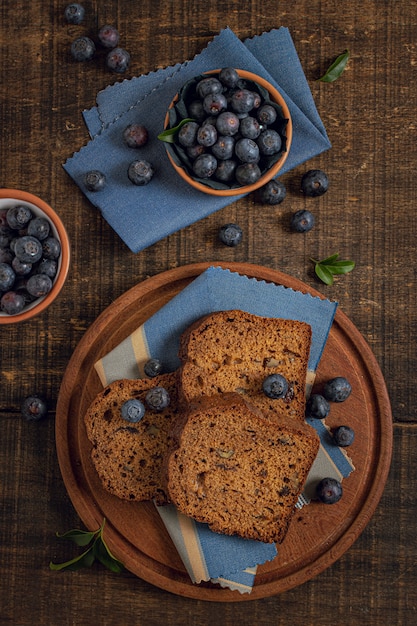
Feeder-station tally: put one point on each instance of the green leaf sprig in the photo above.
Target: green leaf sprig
(327, 268)
(97, 550)
(168, 135)
(336, 68)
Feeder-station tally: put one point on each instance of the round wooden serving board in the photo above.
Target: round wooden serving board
(319, 534)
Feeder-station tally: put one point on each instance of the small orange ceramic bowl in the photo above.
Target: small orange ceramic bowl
(182, 164)
(13, 197)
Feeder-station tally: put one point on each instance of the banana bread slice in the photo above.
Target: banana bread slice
(234, 351)
(238, 472)
(128, 456)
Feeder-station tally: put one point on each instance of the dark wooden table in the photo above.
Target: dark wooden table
(368, 214)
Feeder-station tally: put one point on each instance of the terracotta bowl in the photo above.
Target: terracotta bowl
(267, 175)
(12, 197)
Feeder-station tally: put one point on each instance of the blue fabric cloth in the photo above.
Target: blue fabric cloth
(144, 215)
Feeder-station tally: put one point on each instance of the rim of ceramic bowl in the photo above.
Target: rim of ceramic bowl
(58, 229)
(271, 173)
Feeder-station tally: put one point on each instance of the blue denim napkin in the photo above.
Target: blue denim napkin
(228, 561)
(144, 215)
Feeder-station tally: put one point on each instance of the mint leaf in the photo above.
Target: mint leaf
(324, 274)
(168, 135)
(336, 68)
(331, 266)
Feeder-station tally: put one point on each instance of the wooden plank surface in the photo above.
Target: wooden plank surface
(368, 215)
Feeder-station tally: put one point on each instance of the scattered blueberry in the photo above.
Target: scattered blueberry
(118, 60)
(108, 36)
(7, 276)
(74, 13)
(337, 389)
(51, 248)
(343, 436)
(132, 410)
(248, 173)
(317, 406)
(275, 386)
(157, 398)
(140, 172)
(135, 135)
(94, 180)
(39, 285)
(302, 221)
(314, 183)
(18, 216)
(34, 408)
(83, 49)
(152, 368)
(230, 234)
(28, 249)
(273, 192)
(205, 165)
(12, 303)
(329, 490)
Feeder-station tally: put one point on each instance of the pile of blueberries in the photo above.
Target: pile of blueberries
(230, 130)
(83, 48)
(29, 257)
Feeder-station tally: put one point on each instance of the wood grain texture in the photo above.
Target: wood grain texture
(368, 214)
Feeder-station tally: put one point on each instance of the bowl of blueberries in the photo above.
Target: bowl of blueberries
(227, 132)
(34, 256)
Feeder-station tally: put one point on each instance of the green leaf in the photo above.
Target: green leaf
(80, 537)
(341, 267)
(324, 274)
(336, 68)
(86, 559)
(168, 135)
(103, 554)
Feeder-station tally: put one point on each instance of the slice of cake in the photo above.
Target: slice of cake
(238, 472)
(234, 351)
(128, 456)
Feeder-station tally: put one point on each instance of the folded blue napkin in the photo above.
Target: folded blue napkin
(228, 561)
(144, 215)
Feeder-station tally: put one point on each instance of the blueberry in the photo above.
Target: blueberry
(94, 180)
(225, 171)
(34, 408)
(229, 77)
(83, 49)
(20, 268)
(18, 217)
(187, 134)
(12, 302)
(48, 267)
(249, 127)
(39, 285)
(51, 248)
(157, 398)
(266, 114)
(214, 103)
(28, 249)
(275, 386)
(227, 123)
(196, 111)
(273, 192)
(135, 135)
(230, 234)
(195, 151)
(118, 60)
(74, 13)
(152, 368)
(132, 410)
(205, 165)
(108, 36)
(314, 183)
(242, 101)
(39, 227)
(207, 135)
(343, 436)
(329, 490)
(317, 407)
(302, 221)
(209, 85)
(248, 173)
(269, 142)
(223, 148)
(140, 172)
(247, 150)
(337, 389)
